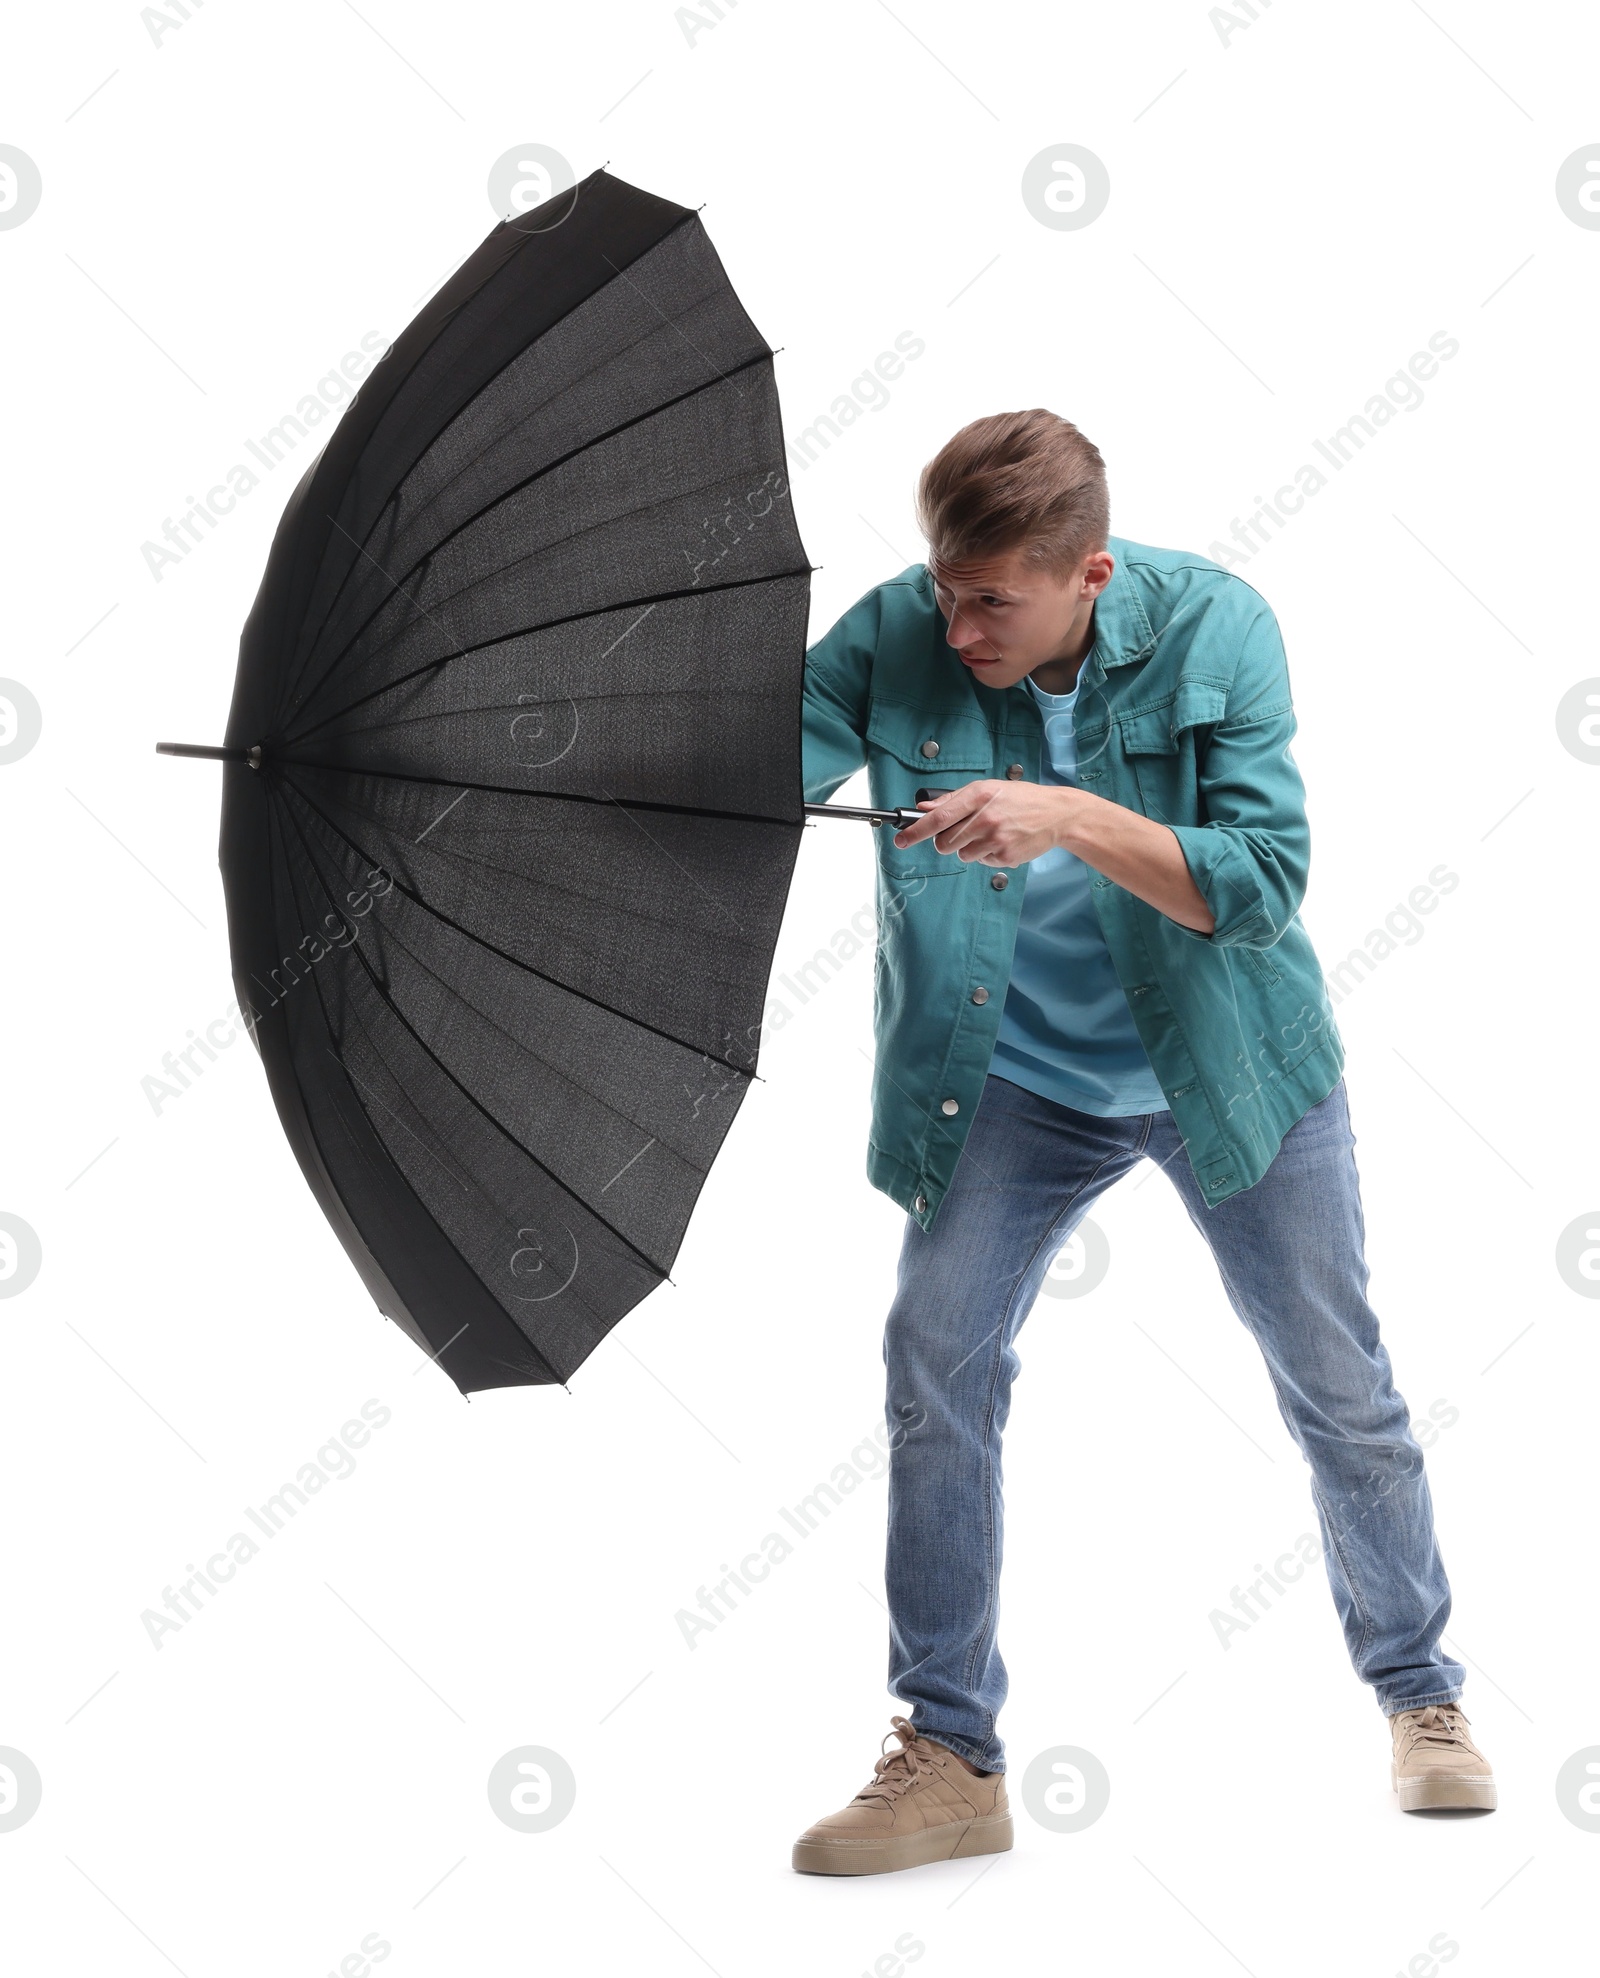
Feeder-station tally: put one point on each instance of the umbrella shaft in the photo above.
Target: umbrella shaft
(898, 818)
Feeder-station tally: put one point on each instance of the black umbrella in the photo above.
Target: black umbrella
(512, 794)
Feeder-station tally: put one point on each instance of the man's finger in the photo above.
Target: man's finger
(965, 831)
(909, 834)
(935, 817)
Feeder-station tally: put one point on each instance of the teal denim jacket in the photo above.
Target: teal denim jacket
(1184, 714)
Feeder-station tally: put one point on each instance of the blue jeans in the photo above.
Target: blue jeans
(1290, 1253)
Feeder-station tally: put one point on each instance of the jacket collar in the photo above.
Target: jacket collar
(1122, 629)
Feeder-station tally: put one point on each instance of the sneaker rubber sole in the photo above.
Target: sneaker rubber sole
(953, 1840)
(1432, 1795)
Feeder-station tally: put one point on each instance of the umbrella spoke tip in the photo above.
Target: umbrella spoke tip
(208, 753)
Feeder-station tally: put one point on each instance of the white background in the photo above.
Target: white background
(1294, 210)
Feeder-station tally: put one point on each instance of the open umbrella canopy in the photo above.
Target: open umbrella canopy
(512, 795)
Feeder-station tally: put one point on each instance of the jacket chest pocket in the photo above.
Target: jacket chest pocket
(900, 762)
(1163, 744)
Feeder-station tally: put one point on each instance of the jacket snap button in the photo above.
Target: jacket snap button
(980, 994)
(930, 748)
(950, 1106)
(1000, 882)
(1014, 771)
(922, 1203)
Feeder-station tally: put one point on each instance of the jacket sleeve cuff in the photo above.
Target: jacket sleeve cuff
(1229, 884)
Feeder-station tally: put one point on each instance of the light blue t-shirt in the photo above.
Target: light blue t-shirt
(1066, 1031)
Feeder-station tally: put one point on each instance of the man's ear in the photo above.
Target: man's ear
(1098, 568)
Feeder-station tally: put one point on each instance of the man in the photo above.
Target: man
(1090, 954)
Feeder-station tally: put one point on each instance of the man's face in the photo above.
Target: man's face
(1006, 619)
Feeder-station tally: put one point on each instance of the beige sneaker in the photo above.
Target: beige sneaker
(1436, 1764)
(922, 1804)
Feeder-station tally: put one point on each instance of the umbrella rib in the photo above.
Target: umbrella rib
(393, 723)
(493, 1022)
(505, 871)
(616, 355)
(472, 1100)
(450, 316)
(322, 1155)
(556, 796)
(479, 579)
(491, 866)
(396, 583)
(465, 1184)
(544, 1360)
(622, 1016)
(545, 625)
(427, 968)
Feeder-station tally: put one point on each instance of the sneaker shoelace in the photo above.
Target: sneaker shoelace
(898, 1770)
(1440, 1727)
